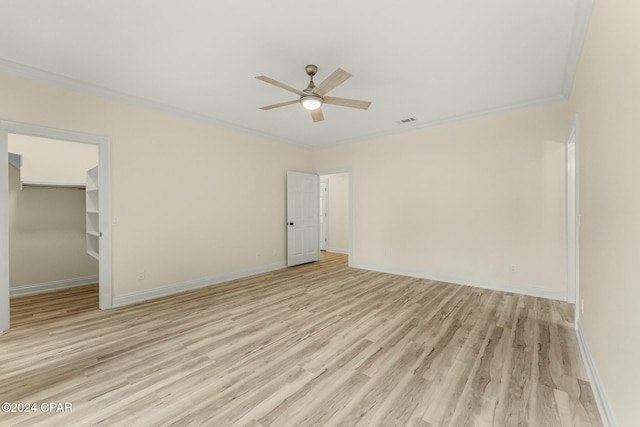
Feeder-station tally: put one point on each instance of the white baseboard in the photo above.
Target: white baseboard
(136, 297)
(513, 288)
(338, 251)
(608, 419)
(37, 288)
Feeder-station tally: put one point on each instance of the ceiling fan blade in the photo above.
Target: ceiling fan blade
(282, 104)
(346, 102)
(338, 77)
(281, 85)
(317, 115)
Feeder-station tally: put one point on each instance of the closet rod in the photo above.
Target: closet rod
(51, 186)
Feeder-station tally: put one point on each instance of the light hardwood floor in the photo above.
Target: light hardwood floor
(319, 344)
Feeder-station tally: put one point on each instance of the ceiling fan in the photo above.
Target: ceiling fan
(314, 96)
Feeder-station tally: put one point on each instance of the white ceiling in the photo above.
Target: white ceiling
(434, 60)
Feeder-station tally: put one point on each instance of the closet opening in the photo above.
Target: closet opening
(56, 187)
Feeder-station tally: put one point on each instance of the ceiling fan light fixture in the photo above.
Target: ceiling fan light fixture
(311, 102)
(312, 98)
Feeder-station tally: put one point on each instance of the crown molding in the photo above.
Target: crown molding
(578, 35)
(41, 76)
(451, 119)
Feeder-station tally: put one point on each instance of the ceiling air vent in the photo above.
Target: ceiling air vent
(407, 120)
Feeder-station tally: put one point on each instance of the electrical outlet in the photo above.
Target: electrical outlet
(141, 275)
(512, 268)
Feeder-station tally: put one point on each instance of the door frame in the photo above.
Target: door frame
(324, 222)
(104, 161)
(573, 217)
(349, 173)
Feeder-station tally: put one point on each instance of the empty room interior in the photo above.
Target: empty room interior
(338, 213)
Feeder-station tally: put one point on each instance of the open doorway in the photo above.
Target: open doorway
(40, 188)
(48, 215)
(335, 212)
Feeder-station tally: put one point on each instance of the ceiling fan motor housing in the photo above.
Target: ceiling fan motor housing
(311, 70)
(311, 100)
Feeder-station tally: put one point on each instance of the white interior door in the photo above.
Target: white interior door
(303, 219)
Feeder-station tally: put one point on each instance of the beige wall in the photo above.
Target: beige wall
(606, 96)
(192, 200)
(464, 201)
(51, 161)
(338, 212)
(46, 235)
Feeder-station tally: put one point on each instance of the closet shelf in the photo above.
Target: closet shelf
(93, 214)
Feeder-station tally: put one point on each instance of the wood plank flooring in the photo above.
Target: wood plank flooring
(314, 345)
